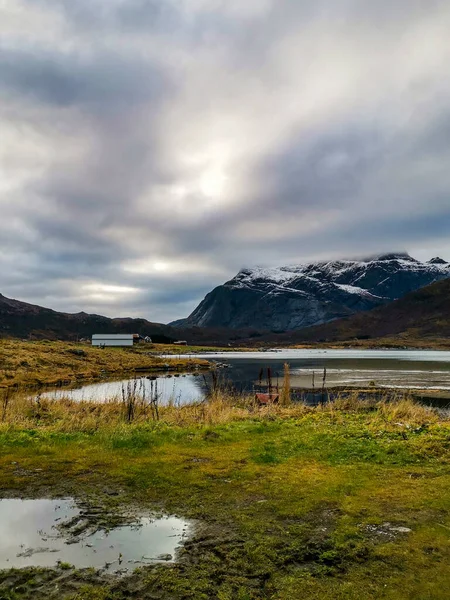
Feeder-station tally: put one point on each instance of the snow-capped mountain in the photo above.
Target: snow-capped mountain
(286, 298)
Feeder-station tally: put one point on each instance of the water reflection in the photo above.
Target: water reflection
(183, 389)
(346, 368)
(31, 534)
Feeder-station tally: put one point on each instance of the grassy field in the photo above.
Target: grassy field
(181, 350)
(294, 502)
(44, 362)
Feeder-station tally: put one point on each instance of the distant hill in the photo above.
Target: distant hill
(23, 320)
(20, 319)
(423, 314)
(293, 297)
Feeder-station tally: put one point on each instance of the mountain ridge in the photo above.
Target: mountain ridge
(298, 296)
(420, 315)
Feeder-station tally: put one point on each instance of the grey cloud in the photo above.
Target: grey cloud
(149, 15)
(330, 131)
(324, 170)
(67, 79)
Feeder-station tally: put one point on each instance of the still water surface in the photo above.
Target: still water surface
(31, 535)
(347, 368)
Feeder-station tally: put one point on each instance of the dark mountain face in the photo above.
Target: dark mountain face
(422, 314)
(437, 261)
(287, 298)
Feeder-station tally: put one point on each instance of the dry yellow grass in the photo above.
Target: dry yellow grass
(36, 363)
(28, 410)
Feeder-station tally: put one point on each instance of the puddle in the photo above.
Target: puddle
(39, 533)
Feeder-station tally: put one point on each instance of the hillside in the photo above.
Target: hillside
(289, 298)
(20, 319)
(420, 315)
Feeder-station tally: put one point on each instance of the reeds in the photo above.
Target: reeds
(136, 401)
(285, 398)
(6, 397)
(129, 399)
(136, 406)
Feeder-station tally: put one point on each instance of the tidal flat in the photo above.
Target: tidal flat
(344, 500)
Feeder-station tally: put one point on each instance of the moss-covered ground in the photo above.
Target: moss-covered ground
(292, 503)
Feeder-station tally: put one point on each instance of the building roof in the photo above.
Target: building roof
(113, 336)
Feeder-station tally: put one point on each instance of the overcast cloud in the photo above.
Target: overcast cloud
(149, 149)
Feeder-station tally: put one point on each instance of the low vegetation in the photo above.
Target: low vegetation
(46, 362)
(345, 500)
(419, 319)
(177, 350)
(404, 341)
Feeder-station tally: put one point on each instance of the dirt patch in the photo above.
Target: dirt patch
(98, 517)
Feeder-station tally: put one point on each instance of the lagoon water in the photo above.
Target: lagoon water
(31, 535)
(399, 369)
(180, 389)
(404, 369)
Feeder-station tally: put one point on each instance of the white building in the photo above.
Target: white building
(114, 339)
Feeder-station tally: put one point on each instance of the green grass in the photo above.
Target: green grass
(293, 504)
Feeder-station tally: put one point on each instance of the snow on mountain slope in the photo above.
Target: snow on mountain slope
(291, 297)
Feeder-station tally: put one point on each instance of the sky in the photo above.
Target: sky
(150, 149)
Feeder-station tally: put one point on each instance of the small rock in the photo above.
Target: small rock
(73, 540)
(31, 551)
(401, 529)
(165, 557)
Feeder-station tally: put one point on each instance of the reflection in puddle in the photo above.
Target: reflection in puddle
(32, 534)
